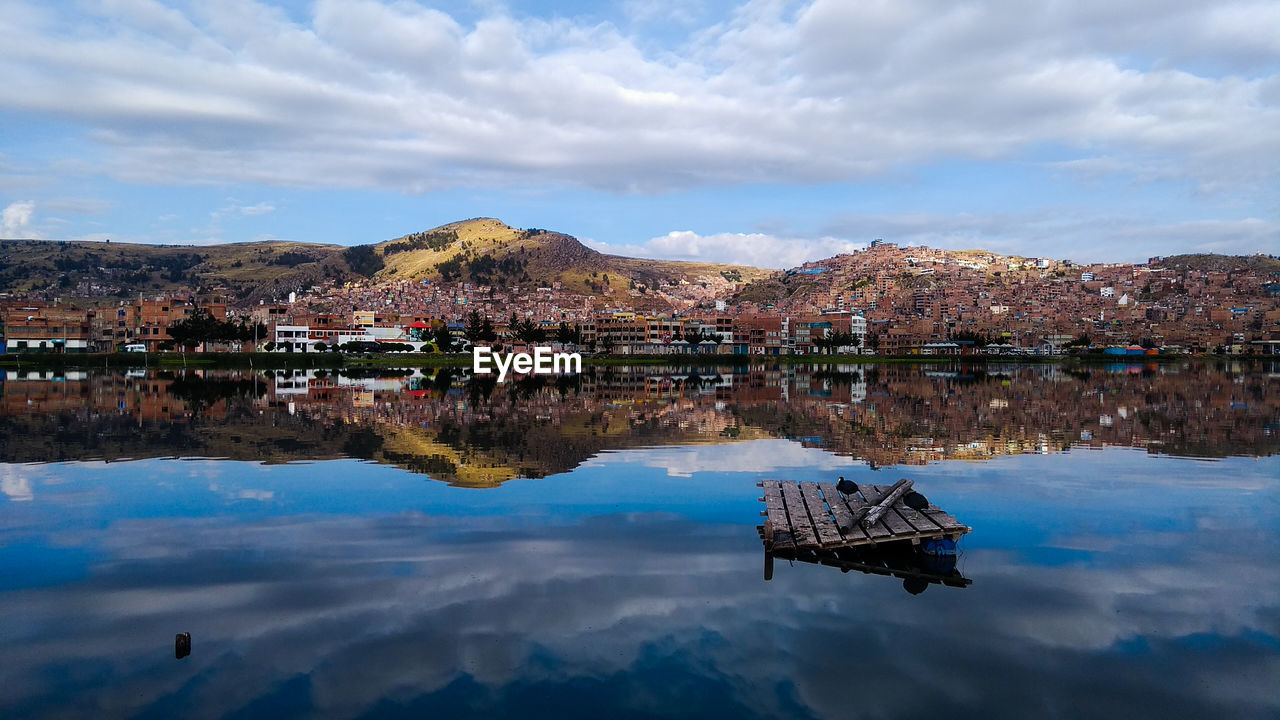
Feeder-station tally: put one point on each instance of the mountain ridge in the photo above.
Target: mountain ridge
(486, 251)
(481, 250)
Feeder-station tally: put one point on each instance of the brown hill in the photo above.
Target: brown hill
(247, 271)
(486, 251)
(481, 250)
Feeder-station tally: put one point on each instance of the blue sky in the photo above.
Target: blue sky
(767, 133)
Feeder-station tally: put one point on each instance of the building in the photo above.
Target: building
(47, 330)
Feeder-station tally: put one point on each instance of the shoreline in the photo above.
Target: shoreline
(285, 361)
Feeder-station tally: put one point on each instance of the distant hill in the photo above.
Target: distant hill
(892, 275)
(487, 252)
(1205, 262)
(482, 250)
(249, 271)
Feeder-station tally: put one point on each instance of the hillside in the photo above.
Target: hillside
(483, 251)
(247, 271)
(888, 282)
(487, 252)
(1204, 262)
(880, 270)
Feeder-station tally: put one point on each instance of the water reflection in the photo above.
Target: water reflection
(917, 570)
(476, 432)
(356, 591)
(614, 570)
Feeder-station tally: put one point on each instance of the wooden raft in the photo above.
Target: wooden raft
(811, 515)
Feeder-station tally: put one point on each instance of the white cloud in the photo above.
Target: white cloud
(1064, 235)
(15, 220)
(261, 208)
(16, 484)
(756, 249)
(76, 206)
(746, 457)
(397, 96)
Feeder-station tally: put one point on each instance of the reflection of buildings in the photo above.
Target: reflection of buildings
(480, 432)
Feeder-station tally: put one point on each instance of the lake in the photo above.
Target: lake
(405, 543)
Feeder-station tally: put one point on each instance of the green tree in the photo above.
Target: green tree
(443, 338)
(1082, 340)
(568, 334)
(475, 327)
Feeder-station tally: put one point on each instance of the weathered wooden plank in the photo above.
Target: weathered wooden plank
(774, 506)
(801, 525)
(944, 520)
(822, 522)
(859, 508)
(896, 524)
(886, 503)
(777, 512)
(903, 520)
(850, 512)
(872, 494)
(843, 514)
(778, 527)
(920, 521)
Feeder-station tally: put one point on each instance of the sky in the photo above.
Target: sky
(767, 133)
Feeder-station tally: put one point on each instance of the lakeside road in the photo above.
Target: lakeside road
(280, 361)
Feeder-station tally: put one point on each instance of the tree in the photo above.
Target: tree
(568, 334)
(443, 338)
(1082, 340)
(822, 342)
(527, 331)
(362, 259)
(696, 336)
(978, 339)
(475, 327)
(839, 339)
(201, 327)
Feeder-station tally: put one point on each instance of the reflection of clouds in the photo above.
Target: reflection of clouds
(744, 457)
(242, 494)
(16, 484)
(653, 610)
(1116, 480)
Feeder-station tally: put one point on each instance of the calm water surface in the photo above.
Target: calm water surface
(394, 544)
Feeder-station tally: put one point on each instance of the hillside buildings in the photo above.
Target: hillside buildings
(886, 300)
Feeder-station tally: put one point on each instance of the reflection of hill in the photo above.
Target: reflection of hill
(481, 434)
(913, 415)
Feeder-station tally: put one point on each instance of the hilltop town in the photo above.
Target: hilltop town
(430, 292)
